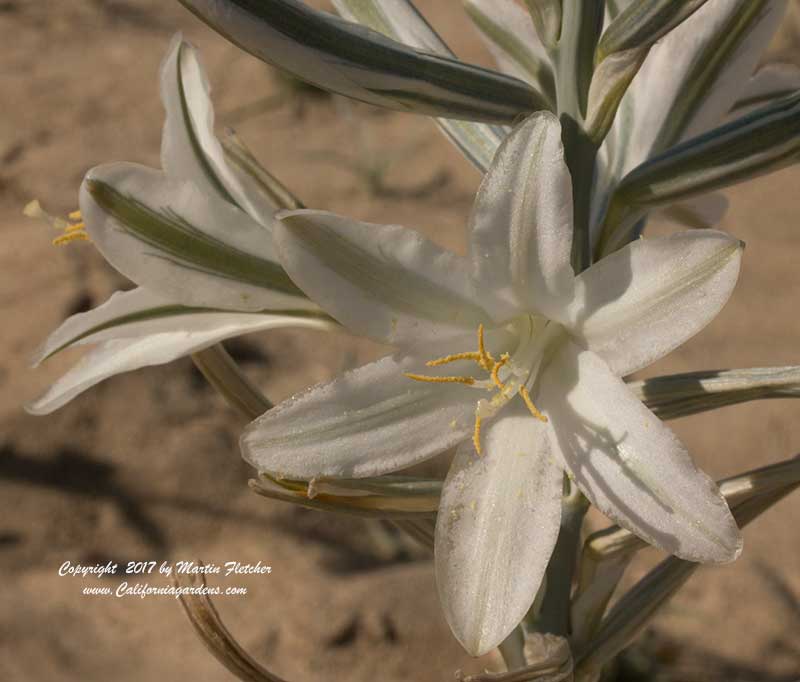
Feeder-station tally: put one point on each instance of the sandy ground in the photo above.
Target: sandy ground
(145, 467)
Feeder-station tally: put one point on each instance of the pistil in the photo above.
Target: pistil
(489, 364)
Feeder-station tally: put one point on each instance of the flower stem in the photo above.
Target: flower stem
(554, 616)
(574, 60)
(512, 649)
(222, 372)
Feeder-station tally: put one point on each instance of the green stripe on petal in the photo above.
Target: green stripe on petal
(137, 328)
(171, 233)
(191, 132)
(189, 149)
(385, 282)
(133, 309)
(193, 249)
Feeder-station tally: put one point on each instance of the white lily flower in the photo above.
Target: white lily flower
(537, 395)
(196, 238)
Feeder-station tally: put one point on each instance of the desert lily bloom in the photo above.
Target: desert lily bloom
(511, 357)
(697, 62)
(196, 239)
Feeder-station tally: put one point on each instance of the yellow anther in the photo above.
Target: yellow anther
(455, 357)
(67, 237)
(529, 403)
(469, 381)
(485, 358)
(71, 232)
(476, 435)
(496, 369)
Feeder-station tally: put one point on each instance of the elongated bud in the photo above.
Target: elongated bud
(642, 23)
(621, 52)
(609, 84)
(546, 15)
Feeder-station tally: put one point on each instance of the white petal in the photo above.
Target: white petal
(120, 313)
(139, 312)
(645, 300)
(521, 225)
(385, 282)
(141, 344)
(629, 464)
(497, 525)
(367, 422)
(169, 237)
(189, 149)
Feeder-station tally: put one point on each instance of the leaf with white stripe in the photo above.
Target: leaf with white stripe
(357, 62)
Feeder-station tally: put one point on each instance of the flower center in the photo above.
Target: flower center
(507, 376)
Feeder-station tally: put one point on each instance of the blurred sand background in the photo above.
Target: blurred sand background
(146, 466)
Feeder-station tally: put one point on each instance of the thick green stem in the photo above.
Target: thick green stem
(222, 372)
(555, 614)
(574, 62)
(512, 649)
(580, 154)
(582, 23)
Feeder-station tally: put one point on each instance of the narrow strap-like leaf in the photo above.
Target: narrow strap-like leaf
(758, 143)
(357, 62)
(755, 144)
(680, 395)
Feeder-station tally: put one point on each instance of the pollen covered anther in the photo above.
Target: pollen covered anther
(526, 397)
(455, 357)
(71, 231)
(476, 434)
(504, 358)
(505, 389)
(485, 357)
(469, 381)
